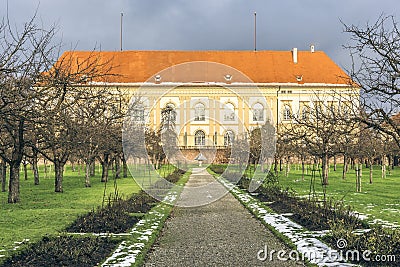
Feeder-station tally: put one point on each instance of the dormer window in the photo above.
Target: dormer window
(157, 78)
(299, 78)
(228, 77)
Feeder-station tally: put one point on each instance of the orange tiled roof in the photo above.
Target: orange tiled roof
(260, 66)
(396, 118)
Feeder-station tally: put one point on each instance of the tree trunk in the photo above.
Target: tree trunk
(325, 169)
(15, 163)
(13, 187)
(344, 167)
(92, 168)
(302, 168)
(287, 169)
(117, 167)
(25, 170)
(59, 174)
(3, 173)
(124, 167)
(73, 166)
(79, 167)
(105, 166)
(104, 173)
(45, 168)
(334, 163)
(89, 165)
(383, 167)
(370, 170)
(35, 169)
(358, 179)
(393, 162)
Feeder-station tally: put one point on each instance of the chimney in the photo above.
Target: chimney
(294, 55)
(312, 48)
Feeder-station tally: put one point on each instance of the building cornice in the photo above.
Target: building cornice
(214, 84)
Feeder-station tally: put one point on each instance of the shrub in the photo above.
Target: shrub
(140, 203)
(218, 169)
(110, 219)
(380, 241)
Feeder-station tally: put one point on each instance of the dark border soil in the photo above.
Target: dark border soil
(64, 251)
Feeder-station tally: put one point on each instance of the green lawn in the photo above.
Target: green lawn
(379, 200)
(41, 211)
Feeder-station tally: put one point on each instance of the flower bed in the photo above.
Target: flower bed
(64, 251)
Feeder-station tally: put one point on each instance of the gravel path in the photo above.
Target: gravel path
(222, 233)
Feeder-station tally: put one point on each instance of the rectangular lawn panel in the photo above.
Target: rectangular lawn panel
(379, 200)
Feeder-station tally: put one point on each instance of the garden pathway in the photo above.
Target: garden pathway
(222, 233)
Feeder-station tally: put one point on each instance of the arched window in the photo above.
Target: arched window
(170, 105)
(229, 137)
(199, 138)
(229, 112)
(199, 112)
(287, 113)
(170, 113)
(345, 109)
(138, 113)
(305, 113)
(258, 112)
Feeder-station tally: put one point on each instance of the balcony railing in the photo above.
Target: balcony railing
(203, 147)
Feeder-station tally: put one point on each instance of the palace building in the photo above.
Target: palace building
(218, 95)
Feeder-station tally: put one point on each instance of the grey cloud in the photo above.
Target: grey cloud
(204, 24)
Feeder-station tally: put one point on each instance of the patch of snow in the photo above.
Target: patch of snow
(392, 210)
(310, 247)
(128, 250)
(384, 223)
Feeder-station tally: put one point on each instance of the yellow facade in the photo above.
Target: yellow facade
(234, 113)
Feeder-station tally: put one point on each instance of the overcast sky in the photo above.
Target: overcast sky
(203, 24)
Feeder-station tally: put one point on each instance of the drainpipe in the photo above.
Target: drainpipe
(277, 122)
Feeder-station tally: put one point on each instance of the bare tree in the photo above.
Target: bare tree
(169, 137)
(370, 146)
(24, 54)
(99, 113)
(321, 128)
(375, 49)
(262, 145)
(66, 82)
(240, 151)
